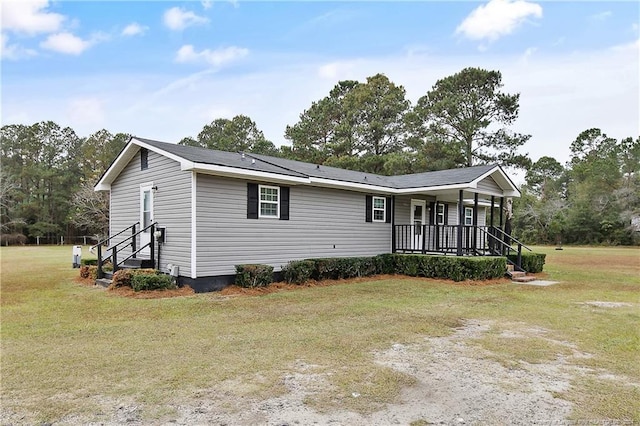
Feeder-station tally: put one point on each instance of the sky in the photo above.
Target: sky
(162, 70)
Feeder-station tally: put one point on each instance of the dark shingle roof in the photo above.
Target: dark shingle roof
(219, 158)
(440, 177)
(287, 167)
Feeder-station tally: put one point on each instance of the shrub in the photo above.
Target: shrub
(385, 263)
(298, 271)
(13, 239)
(450, 267)
(153, 281)
(123, 277)
(531, 262)
(89, 271)
(251, 276)
(343, 267)
(88, 262)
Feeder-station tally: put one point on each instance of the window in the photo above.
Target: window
(379, 209)
(144, 159)
(146, 208)
(269, 201)
(468, 216)
(440, 214)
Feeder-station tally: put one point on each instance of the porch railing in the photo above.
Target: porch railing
(456, 240)
(130, 241)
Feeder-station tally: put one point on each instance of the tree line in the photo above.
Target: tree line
(48, 172)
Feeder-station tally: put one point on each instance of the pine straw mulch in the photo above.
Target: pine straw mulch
(234, 290)
(145, 294)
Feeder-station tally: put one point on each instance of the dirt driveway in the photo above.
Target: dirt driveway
(456, 382)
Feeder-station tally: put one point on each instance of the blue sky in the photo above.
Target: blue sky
(163, 70)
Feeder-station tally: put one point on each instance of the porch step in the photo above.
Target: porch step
(523, 278)
(137, 263)
(103, 282)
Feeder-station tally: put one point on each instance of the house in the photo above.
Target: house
(198, 212)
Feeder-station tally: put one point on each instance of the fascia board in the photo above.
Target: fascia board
(123, 159)
(508, 187)
(104, 184)
(158, 150)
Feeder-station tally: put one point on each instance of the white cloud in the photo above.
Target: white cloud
(497, 19)
(29, 17)
(66, 43)
(218, 57)
(134, 29)
(206, 4)
(13, 51)
(601, 16)
(178, 19)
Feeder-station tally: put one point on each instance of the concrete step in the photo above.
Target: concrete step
(524, 278)
(103, 282)
(515, 274)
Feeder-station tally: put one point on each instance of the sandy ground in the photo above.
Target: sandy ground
(457, 382)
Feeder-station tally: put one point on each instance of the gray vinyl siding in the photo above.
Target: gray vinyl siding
(320, 219)
(489, 186)
(171, 204)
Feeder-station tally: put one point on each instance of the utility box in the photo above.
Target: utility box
(77, 256)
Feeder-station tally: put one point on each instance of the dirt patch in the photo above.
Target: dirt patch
(599, 304)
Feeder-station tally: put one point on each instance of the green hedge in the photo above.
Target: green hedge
(298, 271)
(450, 267)
(251, 276)
(447, 267)
(343, 267)
(531, 262)
(88, 262)
(153, 281)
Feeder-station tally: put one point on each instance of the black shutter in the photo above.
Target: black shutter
(252, 200)
(144, 159)
(284, 203)
(388, 206)
(432, 213)
(446, 214)
(368, 209)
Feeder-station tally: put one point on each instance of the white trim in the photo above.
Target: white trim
(144, 187)
(373, 209)
(436, 214)
(467, 208)
(260, 201)
(431, 188)
(194, 223)
(417, 239)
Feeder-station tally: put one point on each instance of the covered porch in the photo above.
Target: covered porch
(457, 218)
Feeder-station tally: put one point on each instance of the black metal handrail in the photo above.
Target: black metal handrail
(456, 239)
(130, 240)
(106, 240)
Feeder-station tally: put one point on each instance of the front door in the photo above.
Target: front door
(418, 218)
(146, 217)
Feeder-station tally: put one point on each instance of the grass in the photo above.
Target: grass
(66, 347)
